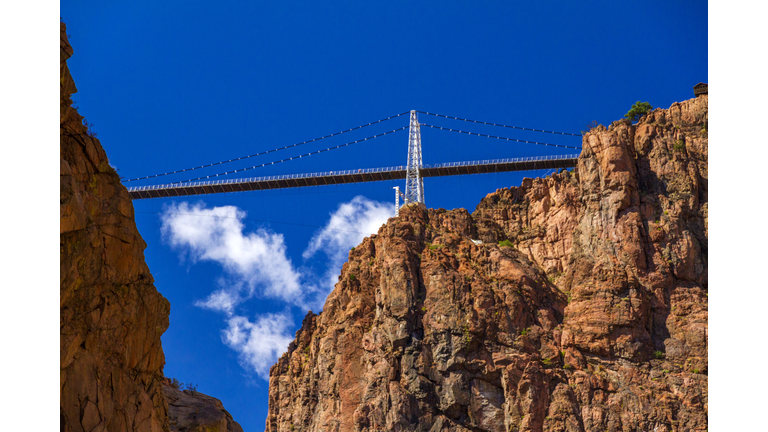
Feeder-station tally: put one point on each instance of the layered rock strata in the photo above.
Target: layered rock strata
(584, 308)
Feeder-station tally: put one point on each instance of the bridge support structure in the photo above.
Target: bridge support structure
(414, 184)
(397, 200)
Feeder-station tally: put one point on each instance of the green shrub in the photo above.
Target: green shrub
(679, 146)
(638, 110)
(523, 332)
(546, 362)
(658, 354)
(351, 277)
(567, 366)
(176, 383)
(506, 243)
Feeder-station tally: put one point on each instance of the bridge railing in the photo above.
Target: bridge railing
(348, 172)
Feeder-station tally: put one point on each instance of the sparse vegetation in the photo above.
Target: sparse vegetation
(523, 332)
(89, 130)
(567, 366)
(351, 277)
(506, 243)
(679, 146)
(467, 336)
(658, 354)
(593, 124)
(178, 385)
(638, 110)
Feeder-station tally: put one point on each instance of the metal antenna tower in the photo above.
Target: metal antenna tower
(414, 184)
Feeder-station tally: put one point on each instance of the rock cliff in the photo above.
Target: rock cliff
(584, 309)
(112, 316)
(191, 411)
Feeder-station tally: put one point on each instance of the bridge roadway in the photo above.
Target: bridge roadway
(350, 176)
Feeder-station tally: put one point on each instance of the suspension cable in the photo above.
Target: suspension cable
(295, 157)
(501, 138)
(496, 124)
(264, 152)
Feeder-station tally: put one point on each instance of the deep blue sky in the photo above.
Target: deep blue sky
(170, 85)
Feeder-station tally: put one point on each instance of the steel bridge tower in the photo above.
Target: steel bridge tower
(414, 184)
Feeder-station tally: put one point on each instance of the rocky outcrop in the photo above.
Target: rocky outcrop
(584, 309)
(191, 411)
(111, 314)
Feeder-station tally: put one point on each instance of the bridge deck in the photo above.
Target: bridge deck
(350, 176)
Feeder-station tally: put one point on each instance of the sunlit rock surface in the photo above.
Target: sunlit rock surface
(594, 318)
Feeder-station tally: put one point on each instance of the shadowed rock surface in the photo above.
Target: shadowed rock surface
(112, 316)
(594, 319)
(192, 411)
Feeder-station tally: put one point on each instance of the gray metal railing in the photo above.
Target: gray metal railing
(348, 172)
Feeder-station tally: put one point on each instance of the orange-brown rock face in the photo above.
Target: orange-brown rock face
(594, 319)
(111, 314)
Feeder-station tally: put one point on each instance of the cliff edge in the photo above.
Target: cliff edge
(584, 308)
(112, 316)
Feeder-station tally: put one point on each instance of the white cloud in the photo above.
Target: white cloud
(254, 260)
(259, 344)
(348, 225)
(256, 264)
(222, 300)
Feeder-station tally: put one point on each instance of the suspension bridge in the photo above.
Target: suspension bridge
(413, 172)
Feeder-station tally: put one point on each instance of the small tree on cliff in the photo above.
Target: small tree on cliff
(638, 110)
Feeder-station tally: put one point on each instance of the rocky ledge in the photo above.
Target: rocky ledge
(192, 411)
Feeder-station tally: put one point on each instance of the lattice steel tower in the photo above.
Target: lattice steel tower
(414, 184)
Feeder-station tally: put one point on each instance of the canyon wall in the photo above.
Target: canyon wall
(112, 316)
(584, 308)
